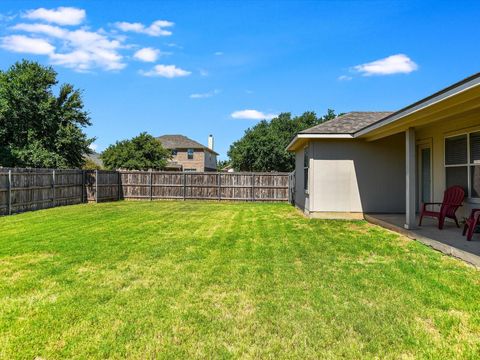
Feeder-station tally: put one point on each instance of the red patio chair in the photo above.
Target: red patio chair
(471, 223)
(452, 200)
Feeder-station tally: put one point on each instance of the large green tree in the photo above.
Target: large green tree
(37, 127)
(262, 147)
(143, 152)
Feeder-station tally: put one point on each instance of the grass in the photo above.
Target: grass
(226, 280)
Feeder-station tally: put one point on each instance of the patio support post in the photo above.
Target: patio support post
(410, 166)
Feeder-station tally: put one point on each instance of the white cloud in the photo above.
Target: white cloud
(61, 15)
(344, 78)
(82, 49)
(157, 28)
(394, 64)
(167, 71)
(205, 95)
(251, 115)
(147, 54)
(25, 44)
(50, 30)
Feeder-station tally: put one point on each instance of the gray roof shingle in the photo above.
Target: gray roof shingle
(348, 123)
(181, 142)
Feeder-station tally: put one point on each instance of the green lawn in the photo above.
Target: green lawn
(226, 280)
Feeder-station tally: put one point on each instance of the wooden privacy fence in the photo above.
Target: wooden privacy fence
(33, 189)
(205, 185)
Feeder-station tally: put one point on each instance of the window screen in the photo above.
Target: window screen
(456, 150)
(457, 176)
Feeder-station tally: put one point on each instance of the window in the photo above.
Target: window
(174, 152)
(462, 162)
(190, 154)
(306, 163)
(190, 170)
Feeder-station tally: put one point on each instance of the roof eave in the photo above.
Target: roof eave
(290, 146)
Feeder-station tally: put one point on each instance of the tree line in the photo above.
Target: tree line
(41, 128)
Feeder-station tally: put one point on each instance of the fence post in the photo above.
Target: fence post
(119, 184)
(9, 204)
(96, 186)
(151, 185)
(53, 187)
(253, 186)
(184, 185)
(219, 182)
(82, 184)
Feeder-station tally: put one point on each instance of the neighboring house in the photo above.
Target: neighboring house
(94, 157)
(189, 155)
(228, 168)
(382, 162)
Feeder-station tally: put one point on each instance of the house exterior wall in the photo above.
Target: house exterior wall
(434, 135)
(354, 176)
(202, 160)
(197, 163)
(210, 161)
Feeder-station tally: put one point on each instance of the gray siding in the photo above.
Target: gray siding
(355, 175)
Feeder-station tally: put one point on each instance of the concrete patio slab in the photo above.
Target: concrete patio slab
(449, 240)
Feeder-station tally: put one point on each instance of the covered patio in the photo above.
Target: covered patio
(442, 149)
(449, 240)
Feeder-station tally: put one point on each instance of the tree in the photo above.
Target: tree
(91, 165)
(262, 148)
(37, 128)
(142, 152)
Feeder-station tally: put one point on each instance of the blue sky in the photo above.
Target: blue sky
(194, 68)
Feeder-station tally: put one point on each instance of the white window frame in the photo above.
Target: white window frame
(469, 164)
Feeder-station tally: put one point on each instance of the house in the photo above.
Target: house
(391, 162)
(189, 155)
(227, 169)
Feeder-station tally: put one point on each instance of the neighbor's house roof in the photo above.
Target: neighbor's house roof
(181, 142)
(95, 157)
(357, 124)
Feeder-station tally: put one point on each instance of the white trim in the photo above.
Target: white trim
(455, 91)
(318, 136)
(325, 136)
